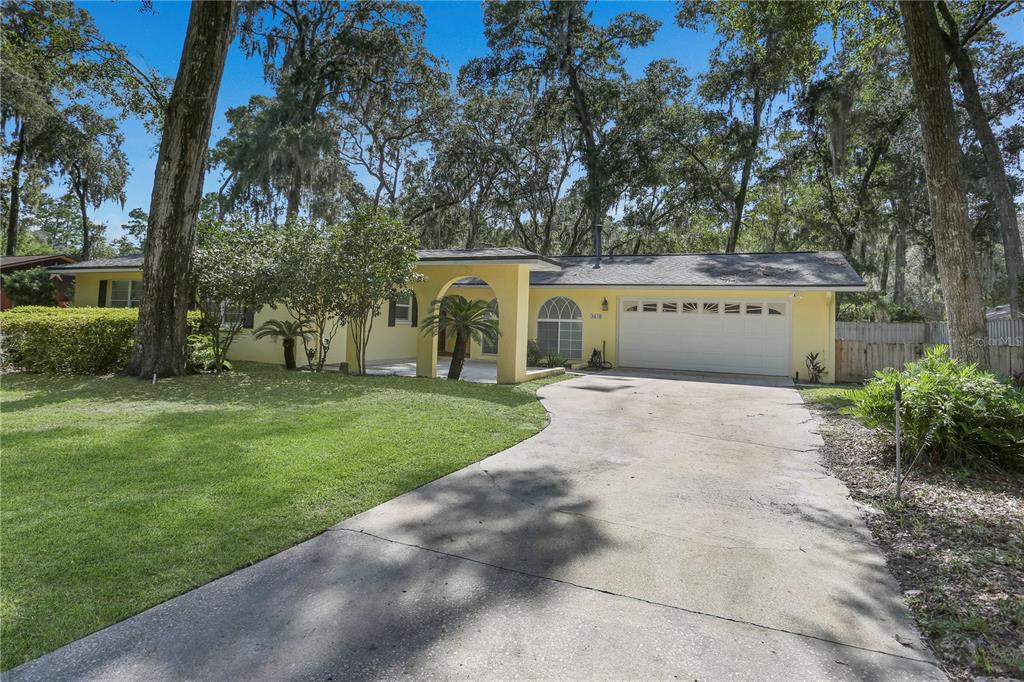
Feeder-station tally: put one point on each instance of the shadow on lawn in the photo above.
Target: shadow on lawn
(248, 385)
(346, 605)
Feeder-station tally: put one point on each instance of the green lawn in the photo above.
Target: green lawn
(118, 494)
(835, 397)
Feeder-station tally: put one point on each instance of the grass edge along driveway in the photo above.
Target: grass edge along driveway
(118, 494)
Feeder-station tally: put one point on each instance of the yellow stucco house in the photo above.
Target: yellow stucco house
(747, 313)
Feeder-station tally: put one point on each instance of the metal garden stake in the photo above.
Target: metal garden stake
(898, 396)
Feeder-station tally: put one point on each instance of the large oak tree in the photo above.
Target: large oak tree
(160, 337)
(954, 254)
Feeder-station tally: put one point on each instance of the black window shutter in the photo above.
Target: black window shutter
(250, 316)
(415, 313)
(391, 313)
(102, 303)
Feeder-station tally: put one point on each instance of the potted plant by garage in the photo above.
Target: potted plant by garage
(288, 331)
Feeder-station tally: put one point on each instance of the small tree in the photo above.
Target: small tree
(32, 286)
(312, 287)
(378, 261)
(287, 331)
(235, 275)
(465, 320)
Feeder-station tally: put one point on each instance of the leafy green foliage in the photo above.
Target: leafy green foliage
(552, 360)
(952, 414)
(464, 320)
(31, 286)
(377, 260)
(235, 273)
(203, 356)
(70, 340)
(533, 355)
(872, 307)
(815, 367)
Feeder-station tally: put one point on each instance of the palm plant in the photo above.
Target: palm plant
(465, 320)
(288, 331)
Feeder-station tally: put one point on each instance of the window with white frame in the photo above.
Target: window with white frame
(403, 309)
(125, 293)
(231, 315)
(560, 328)
(490, 346)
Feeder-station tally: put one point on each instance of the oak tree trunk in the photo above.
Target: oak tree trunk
(994, 166)
(160, 336)
(958, 272)
(14, 207)
(899, 290)
(294, 194)
(84, 215)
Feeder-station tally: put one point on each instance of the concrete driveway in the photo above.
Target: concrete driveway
(661, 527)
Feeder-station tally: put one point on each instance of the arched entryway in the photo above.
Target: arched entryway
(507, 273)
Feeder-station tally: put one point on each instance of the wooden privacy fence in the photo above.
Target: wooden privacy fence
(862, 348)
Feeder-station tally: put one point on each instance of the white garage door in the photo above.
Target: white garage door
(708, 335)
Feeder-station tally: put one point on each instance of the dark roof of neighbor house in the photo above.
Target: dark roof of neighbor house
(821, 269)
(999, 312)
(129, 262)
(19, 262)
(803, 269)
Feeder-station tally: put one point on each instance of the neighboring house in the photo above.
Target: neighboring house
(1000, 312)
(751, 313)
(12, 263)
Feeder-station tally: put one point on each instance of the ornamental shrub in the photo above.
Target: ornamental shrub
(952, 413)
(31, 286)
(69, 340)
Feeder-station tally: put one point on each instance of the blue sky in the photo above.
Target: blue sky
(454, 32)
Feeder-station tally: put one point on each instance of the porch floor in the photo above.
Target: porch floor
(476, 371)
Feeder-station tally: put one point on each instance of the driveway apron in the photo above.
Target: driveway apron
(662, 526)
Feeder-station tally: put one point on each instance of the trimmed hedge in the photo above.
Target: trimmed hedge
(70, 340)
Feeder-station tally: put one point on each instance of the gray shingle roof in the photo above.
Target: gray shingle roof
(826, 269)
(131, 262)
(493, 253)
(804, 269)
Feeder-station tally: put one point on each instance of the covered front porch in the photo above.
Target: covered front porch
(506, 271)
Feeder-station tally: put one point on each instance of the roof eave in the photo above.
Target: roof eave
(57, 270)
(770, 287)
(537, 263)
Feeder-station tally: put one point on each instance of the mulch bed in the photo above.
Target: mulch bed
(955, 544)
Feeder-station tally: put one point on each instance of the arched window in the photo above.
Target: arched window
(560, 328)
(489, 347)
